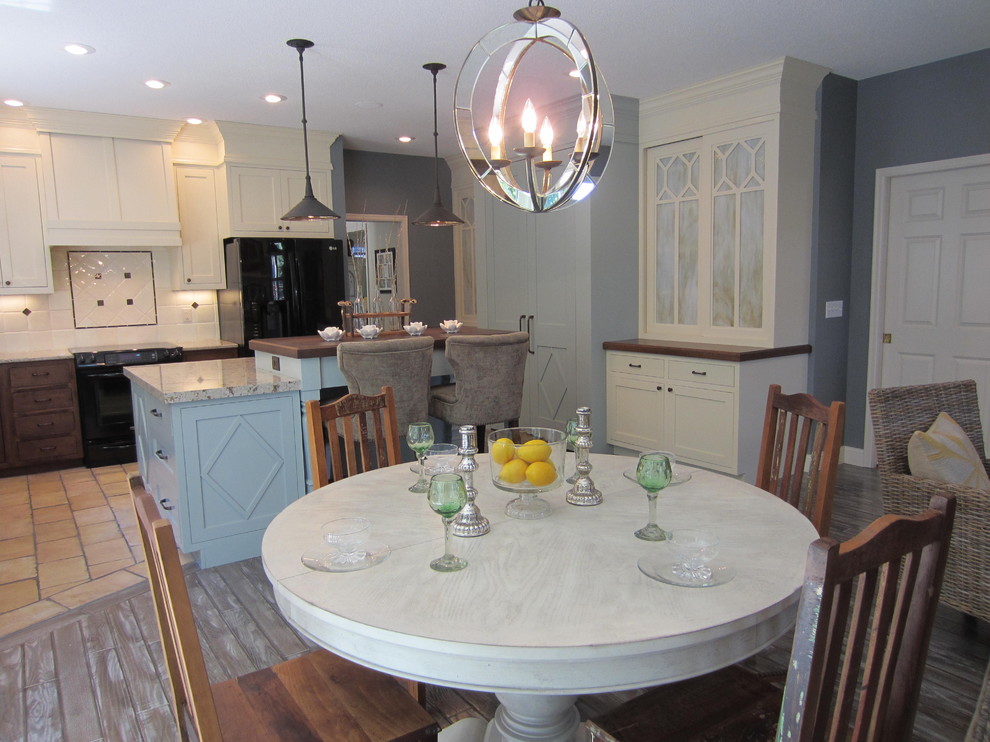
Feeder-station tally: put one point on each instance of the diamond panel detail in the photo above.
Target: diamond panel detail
(230, 466)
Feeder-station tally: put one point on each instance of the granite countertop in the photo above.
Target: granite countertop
(60, 354)
(711, 351)
(313, 346)
(40, 354)
(205, 380)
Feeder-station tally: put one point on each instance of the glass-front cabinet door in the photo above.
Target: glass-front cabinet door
(706, 236)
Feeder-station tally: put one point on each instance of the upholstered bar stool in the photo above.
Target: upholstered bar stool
(403, 364)
(488, 381)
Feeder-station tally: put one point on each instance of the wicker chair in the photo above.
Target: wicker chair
(898, 412)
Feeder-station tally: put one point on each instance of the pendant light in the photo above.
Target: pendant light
(437, 215)
(309, 208)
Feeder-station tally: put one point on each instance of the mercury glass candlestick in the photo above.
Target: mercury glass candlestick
(584, 491)
(469, 522)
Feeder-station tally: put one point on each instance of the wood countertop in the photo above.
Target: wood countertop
(711, 351)
(313, 346)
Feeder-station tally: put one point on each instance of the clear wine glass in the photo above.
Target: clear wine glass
(447, 497)
(419, 437)
(571, 432)
(653, 472)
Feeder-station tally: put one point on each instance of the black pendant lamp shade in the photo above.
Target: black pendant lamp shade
(309, 208)
(437, 215)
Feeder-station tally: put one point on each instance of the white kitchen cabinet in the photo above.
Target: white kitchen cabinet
(533, 289)
(25, 263)
(200, 264)
(259, 197)
(109, 191)
(709, 413)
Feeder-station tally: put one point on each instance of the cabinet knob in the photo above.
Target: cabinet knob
(188, 280)
(659, 388)
(163, 502)
(670, 388)
(6, 283)
(160, 455)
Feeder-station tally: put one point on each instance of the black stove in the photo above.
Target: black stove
(105, 399)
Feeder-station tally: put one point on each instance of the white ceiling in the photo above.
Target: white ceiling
(364, 77)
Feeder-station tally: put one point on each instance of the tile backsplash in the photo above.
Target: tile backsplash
(35, 321)
(112, 289)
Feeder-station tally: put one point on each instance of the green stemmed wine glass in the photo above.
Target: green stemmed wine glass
(419, 437)
(653, 472)
(447, 497)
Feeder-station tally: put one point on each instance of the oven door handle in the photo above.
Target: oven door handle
(117, 375)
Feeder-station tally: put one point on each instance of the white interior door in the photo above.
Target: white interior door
(936, 307)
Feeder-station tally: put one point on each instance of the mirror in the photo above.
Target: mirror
(377, 261)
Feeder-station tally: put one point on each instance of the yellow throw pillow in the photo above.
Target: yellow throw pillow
(946, 454)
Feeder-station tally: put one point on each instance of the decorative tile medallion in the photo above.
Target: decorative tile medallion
(112, 289)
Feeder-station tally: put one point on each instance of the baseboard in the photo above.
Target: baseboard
(854, 456)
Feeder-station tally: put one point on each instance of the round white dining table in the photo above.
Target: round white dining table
(547, 609)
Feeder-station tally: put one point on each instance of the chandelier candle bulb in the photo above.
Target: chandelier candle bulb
(529, 124)
(495, 138)
(546, 139)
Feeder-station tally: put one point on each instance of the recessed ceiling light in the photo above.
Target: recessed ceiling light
(405, 139)
(273, 98)
(13, 103)
(194, 121)
(79, 50)
(157, 84)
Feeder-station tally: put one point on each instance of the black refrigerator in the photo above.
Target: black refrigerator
(280, 288)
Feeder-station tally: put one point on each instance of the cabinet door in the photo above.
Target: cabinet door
(201, 265)
(255, 197)
(241, 464)
(24, 259)
(553, 328)
(635, 411)
(700, 426)
(510, 273)
(293, 188)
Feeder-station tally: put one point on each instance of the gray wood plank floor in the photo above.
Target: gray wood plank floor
(98, 675)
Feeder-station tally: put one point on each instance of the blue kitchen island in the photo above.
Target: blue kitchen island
(220, 447)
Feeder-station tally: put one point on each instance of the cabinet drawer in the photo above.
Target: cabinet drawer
(158, 418)
(702, 372)
(641, 364)
(43, 373)
(46, 425)
(62, 447)
(41, 400)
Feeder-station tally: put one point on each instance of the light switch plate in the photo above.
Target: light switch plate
(833, 309)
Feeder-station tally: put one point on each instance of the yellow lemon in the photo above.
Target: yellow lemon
(534, 450)
(503, 451)
(541, 473)
(513, 472)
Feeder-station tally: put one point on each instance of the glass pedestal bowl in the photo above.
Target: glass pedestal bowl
(527, 462)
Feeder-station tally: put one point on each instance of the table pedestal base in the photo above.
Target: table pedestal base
(532, 718)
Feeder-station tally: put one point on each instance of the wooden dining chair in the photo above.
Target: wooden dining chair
(864, 622)
(318, 696)
(359, 431)
(800, 431)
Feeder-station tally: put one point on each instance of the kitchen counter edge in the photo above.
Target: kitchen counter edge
(710, 351)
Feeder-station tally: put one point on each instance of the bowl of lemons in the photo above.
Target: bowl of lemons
(526, 462)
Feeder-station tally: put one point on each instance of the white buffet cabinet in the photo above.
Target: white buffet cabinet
(220, 449)
(707, 411)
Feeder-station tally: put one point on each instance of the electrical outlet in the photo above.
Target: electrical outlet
(187, 314)
(833, 309)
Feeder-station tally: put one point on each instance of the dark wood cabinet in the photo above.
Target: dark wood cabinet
(39, 415)
(208, 354)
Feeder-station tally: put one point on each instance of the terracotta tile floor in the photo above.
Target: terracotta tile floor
(66, 538)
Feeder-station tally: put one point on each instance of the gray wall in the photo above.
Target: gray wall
(832, 236)
(377, 183)
(933, 112)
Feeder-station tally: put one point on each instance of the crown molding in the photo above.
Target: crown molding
(57, 121)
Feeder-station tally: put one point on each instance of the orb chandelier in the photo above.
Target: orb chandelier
(533, 113)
